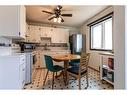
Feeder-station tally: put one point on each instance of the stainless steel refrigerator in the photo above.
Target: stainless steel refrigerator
(77, 43)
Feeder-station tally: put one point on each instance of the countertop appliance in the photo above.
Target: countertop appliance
(27, 47)
(15, 48)
(77, 43)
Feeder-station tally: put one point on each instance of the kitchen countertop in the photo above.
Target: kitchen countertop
(13, 54)
(55, 50)
(51, 51)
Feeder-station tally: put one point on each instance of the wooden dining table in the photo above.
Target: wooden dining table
(66, 58)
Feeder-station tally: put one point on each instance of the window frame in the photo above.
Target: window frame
(97, 22)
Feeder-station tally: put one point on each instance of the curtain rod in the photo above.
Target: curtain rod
(100, 19)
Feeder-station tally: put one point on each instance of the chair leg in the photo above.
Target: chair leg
(45, 77)
(56, 73)
(53, 80)
(64, 77)
(79, 83)
(67, 78)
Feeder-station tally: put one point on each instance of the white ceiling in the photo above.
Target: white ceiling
(80, 14)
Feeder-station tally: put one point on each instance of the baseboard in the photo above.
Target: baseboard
(93, 68)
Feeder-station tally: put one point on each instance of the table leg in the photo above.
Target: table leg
(65, 71)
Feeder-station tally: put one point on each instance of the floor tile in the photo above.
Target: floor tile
(39, 75)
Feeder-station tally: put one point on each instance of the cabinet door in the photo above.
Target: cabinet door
(22, 21)
(37, 33)
(42, 61)
(43, 32)
(65, 37)
(60, 35)
(22, 74)
(30, 33)
(27, 33)
(56, 36)
(12, 21)
(33, 33)
(9, 21)
(47, 32)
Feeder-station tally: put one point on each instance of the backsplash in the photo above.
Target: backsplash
(53, 45)
(47, 44)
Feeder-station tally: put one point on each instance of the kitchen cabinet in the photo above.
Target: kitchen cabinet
(13, 21)
(22, 71)
(12, 71)
(57, 35)
(26, 39)
(46, 31)
(33, 34)
(60, 35)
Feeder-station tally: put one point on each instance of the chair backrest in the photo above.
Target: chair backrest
(84, 61)
(48, 62)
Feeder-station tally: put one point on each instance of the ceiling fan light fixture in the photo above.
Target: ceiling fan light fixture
(59, 19)
(57, 7)
(55, 19)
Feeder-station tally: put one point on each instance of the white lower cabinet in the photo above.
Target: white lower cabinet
(22, 74)
(12, 71)
(41, 60)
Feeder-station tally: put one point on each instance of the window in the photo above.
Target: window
(101, 35)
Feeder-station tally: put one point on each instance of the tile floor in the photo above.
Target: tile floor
(39, 75)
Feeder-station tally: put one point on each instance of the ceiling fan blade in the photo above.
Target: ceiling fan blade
(47, 12)
(67, 15)
(62, 19)
(51, 18)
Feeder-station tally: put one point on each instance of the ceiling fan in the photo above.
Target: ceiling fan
(57, 15)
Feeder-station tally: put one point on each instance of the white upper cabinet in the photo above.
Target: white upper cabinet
(60, 35)
(57, 35)
(65, 35)
(46, 31)
(13, 21)
(33, 34)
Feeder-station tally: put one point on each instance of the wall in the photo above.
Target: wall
(119, 47)
(94, 59)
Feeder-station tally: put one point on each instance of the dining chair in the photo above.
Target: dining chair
(52, 68)
(81, 70)
(75, 62)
